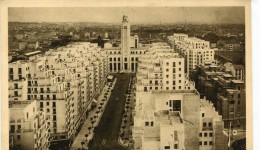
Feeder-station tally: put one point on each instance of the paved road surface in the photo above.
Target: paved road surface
(106, 135)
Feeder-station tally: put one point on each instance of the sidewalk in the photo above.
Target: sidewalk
(94, 118)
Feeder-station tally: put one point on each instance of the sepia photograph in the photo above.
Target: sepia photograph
(127, 78)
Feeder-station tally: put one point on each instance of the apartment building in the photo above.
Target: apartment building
(162, 69)
(176, 119)
(226, 93)
(65, 82)
(195, 51)
(28, 127)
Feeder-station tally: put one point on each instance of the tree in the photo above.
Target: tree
(86, 136)
(82, 143)
(89, 128)
(92, 122)
(97, 112)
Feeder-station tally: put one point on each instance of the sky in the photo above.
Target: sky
(136, 15)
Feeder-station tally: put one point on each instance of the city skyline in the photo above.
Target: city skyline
(138, 15)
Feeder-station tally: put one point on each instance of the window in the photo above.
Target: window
(173, 70)
(152, 123)
(47, 103)
(53, 104)
(167, 63)
(173, 82)
(179, 81)
(205, 143)
(205, 134)
(179, 69)
(20, 70)
(145, 89)
(179, 63)
(12, 128)
(167, 82)
(210, 124)
(11, 70)
(167, 147)
(203, 114)
(210, 134)
(204, 124)
(110, 59)
(15, 93)
(210, 143)
(167, 76)
(179, 75)
(167, 70)
(173, 64)
(18, 137)
(16, 85)
(114, 59)
(200, 134)
(175, 146)
(41, 104)
(146, 123)
(179, 87)
(200, 143)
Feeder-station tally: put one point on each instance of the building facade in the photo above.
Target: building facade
(28, 127)
(169, 112)
(64, 82)
(125, 57)
(162, 69)
(195, 51)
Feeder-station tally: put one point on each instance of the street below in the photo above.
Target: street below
(107, 132)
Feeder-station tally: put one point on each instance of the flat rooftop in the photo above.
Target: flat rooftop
(19, 104)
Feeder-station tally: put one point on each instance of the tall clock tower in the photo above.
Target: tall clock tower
(125, 44)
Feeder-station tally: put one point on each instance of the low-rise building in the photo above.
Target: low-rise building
(176, 119)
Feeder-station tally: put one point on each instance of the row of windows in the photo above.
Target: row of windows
(42, 97)
(176, 146)
(174, 70)
(11, 70)
(173, 64)
(206, 134)
(118, 59)
(205, 124)
(167, 88)
(206, 143)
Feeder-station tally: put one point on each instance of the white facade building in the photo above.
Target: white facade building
(64, 82)
(125, 58)
(162, 69)
(195, 51)
(28, 127)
